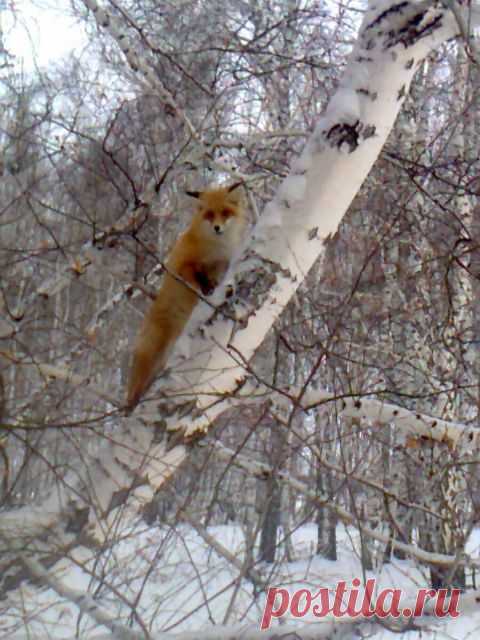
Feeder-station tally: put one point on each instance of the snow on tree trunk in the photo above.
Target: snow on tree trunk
(290, 236)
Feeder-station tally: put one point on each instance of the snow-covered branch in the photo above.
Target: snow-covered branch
(65, 374)
(84, 601)
(373, 411)
(411, 423)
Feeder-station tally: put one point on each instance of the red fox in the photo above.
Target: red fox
(200, 258)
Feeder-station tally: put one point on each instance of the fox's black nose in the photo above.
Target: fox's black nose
(217, 228)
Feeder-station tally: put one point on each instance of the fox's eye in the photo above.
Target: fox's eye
(226, 213)
(209, 215)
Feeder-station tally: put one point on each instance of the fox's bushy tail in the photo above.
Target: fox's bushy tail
(162, 326)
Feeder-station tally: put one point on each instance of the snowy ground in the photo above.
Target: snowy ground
(177, 584)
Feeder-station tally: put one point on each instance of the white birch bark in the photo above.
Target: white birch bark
(309, 205)
(393, 40)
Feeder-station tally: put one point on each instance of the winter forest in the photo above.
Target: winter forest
(318, 419)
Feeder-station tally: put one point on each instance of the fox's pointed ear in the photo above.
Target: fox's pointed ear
(234, 186)
(194, 194)
(235, 195)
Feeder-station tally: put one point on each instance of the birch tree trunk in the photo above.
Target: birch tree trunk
(290, 236)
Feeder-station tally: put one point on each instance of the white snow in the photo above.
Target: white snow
(181, 586)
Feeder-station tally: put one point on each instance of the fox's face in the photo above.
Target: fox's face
(218, 211)
(218, 219)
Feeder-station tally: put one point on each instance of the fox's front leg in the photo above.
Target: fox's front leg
(210, 275)
(203, 276)
(196, 276)
(205, 283)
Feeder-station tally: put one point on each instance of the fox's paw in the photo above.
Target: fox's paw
(208, 287)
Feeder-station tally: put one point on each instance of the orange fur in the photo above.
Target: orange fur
(200, 257)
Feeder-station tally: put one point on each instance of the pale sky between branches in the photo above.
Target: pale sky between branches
(40, 33)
